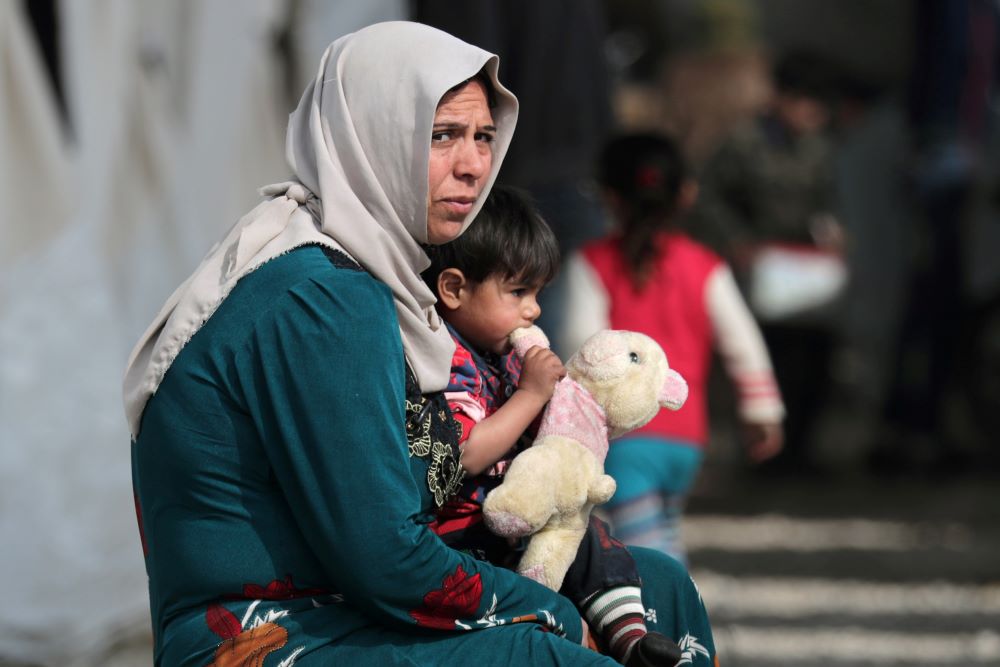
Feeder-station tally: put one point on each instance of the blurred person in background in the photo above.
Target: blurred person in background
(941, 341)
(766, 205)
(651, 277)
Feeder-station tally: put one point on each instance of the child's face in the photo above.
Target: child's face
(489, 311)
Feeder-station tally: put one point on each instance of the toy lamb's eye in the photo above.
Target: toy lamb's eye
(633, 357)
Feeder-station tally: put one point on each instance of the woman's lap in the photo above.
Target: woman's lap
(673, 604)
(673, 607)
(524, 644)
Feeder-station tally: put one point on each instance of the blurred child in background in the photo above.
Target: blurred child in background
(650, 277)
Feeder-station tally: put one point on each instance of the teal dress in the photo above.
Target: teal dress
(285, 472)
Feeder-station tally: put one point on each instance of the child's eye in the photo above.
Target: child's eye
(633, 357)
(519, 292)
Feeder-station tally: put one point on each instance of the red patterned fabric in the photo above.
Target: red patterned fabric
(458, 597)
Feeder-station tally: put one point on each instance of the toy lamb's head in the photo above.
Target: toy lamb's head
(628, 375)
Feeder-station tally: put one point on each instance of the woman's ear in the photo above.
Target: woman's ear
(450, 284)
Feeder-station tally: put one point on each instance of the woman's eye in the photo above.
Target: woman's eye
(441, 136)
(633, 357)
(485, 136)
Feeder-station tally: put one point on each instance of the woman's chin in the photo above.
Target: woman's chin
(442, 229)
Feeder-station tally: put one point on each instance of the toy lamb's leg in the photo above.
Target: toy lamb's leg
(507, 515)
(526, 500)
(549, 555)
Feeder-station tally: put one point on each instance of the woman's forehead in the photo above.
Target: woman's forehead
(471, 97)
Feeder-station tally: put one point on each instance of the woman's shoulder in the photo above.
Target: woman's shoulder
(307, 267)
(311, 285)
(306, 263)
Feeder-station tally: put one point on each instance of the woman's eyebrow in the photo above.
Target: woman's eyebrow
(445, 125)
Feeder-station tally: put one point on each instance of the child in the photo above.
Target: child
(652, 278)
(487, 282)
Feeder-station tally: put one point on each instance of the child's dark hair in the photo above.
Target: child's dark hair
(646, 172)
(508, 238)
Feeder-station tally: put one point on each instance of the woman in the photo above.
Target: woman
(289, 434)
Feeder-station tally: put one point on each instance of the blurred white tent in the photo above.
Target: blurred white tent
(177, 112)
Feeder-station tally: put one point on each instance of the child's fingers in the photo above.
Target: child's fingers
(543, 357)
(763, 441)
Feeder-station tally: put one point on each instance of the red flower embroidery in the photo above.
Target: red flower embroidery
(222, 622)
(279, 590)
(458, 597)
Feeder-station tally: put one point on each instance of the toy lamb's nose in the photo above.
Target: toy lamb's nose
(674, 391)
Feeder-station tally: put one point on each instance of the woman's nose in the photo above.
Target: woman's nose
(473, 160)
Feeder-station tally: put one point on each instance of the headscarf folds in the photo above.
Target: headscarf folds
(359, 145)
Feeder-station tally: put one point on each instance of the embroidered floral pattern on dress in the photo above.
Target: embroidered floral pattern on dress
(458, 597)
(246, 643)
(691, 648)
(243, 648)
(280, 589)
(431, 434)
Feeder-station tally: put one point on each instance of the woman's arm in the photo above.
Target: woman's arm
(326, 386)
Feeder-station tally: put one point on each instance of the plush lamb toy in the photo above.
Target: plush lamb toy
(616, 382)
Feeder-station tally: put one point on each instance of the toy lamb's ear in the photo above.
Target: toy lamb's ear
(674, 391)
(526, 338)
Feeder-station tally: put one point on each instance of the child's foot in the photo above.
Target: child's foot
(654, 650)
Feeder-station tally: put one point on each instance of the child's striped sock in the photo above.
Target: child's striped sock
(617, 617)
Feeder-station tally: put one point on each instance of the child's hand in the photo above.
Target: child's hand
(763, 440)
(540, 371)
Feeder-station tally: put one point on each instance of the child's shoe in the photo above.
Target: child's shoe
(654, 650)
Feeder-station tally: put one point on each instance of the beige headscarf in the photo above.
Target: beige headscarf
(358, 145)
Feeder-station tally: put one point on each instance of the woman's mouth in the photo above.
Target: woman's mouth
(459, 206)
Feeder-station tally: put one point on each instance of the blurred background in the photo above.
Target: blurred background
(133, 133)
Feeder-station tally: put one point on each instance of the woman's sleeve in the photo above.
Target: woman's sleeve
(327, 391)
(742, 350)
(587, 307)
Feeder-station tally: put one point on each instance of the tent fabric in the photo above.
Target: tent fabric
(176, 115)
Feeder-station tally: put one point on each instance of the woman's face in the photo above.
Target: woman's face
(460, 162)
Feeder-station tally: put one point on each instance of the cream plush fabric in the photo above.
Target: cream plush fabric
(616, 382)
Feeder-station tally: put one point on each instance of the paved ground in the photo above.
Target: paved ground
(849, 570)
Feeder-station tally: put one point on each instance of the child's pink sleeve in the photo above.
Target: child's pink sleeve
(466, 410)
